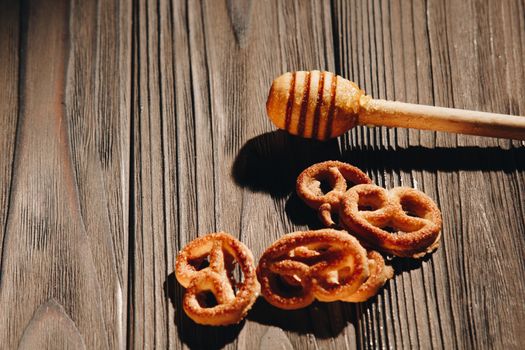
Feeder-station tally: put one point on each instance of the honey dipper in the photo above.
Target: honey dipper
(322, 105)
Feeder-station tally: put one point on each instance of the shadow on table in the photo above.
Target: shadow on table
(301, 214)
(194, 335)
(272, 161)
(401, 265)
(467, 158)
(323, 320)
(327, 320)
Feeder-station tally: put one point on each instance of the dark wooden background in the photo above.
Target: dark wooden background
(129, 128)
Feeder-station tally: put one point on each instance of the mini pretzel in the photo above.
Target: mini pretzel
(372, 213)
(337, 173)
(222, 251)
(379, 274)
(327, 265)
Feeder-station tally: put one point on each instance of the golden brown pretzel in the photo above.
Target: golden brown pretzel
(372, 213)
(379, 274)
(222, 251)
(308, 186)
(327, 265)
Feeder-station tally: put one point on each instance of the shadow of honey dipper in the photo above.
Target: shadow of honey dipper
(272, 161)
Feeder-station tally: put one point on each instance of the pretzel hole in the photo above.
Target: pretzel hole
(336, 278)
(236, 279)
(334, 219)
(303, 252)
(321, 183)
(200, 263)
(207, 299)
(390, 229)
(313, 253)
(368, 202)
(293, 280)
(412, 207)
(235, 274)
(286, 286)
(345, 274)
(350, 183)
(325, 185)
(365, 208)
(404, 226)
(322, 249)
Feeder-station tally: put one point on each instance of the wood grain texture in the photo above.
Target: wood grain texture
(424, 52)
(128, 128)
(64, 258)
(9, 71)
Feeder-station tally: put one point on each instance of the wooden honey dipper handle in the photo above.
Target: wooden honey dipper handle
(460, 121)
(322, 105)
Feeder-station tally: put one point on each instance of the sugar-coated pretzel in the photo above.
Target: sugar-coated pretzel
(379, 274)
(402, 221)
(327, 265)
(222, 251)
(337, 173)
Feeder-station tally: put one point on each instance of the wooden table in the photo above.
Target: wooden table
(128, 129)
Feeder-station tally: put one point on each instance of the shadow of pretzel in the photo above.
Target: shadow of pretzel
(323, 320)
(194, 335)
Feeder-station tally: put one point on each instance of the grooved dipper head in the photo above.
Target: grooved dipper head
(318, 105)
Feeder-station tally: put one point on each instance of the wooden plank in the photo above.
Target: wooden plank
(64, 260)
(153, 121)
(432, 56)
(193, 170)
(9, 35)
(205, 161)
(99, 130)
(281, 36)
